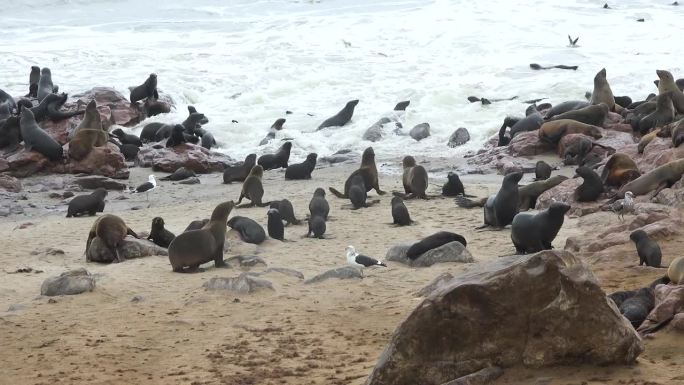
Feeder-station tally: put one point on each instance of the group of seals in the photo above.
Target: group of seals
(552, 131)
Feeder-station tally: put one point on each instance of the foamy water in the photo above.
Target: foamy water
(291, 55)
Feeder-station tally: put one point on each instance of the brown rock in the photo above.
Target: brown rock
(528, 144)
(9, 183)
(193, 157)
(24, 163)
(121, 111)
(536, 310)
(105, 160)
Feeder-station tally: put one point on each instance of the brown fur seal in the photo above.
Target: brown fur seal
(368, 172)
(253, 189)
(676, 271)
(159, 235)
(591, 188)
(668, 85)
(542, 170)
(602, 92)
(277, 160)
(593, 115)
(646, 139)
(656, 180)
(239, 172)
(415, 179)
(91, 120)
(528, 194)
(111, 230)
(619, 169)
(553, 131)
(87, 204)
(84, 141)
(192, 248)
(664, 114)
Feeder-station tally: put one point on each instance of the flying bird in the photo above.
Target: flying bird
(573, 43)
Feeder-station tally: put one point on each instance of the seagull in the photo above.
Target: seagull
(623, 206)
(146, 187)
(573, 43)
(361, 261)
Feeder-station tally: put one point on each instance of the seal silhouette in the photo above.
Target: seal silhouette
(532, 233)
(368, 172)
(341, 118)
(239, 172)
(277, 160)
(87, 204)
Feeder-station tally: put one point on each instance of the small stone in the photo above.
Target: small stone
(137, 298)
(16, 307)
(68, 283)
(52, 300)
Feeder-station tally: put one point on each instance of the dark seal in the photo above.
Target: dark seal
(368, 171)
(453, 186)
(532, 233)
(146, 90)
(302, 170)
(357, 192)
(591, 188)
(239, 172)
(542, 170)
(275, 227)
(249, 230)
(648, 250)
(277, 160)
(253, 189)
(318, 206)
(400, 214)
(500, 209)
(35, 139)
(87, 204)
(341, 118)
(432, 242)
(159, 235)
(286, 211)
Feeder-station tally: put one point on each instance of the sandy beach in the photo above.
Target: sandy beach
(146, 324)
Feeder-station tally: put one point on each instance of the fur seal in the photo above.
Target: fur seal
(602, 92)
(623, 101)
(500, 209)
(34, 78)
(239, 172)
(275, 127)
(208, 140)
(45, 86)
(84, 141)
(275, 227)
(636, 305)
(401, 106)
(591, 188)
(129, 151)
(664, 114)
(180, 174)
(453, 186)
(91, 120)
(249, 230)
(357, 192)
(593, 115)
(277, 160)
(619, 169)
(655, 180)
(530, 122)
(253, 189)
(10, 133)
(87, 204)
(125, 138)
(666, 130)
(196, 224)
(38, 140)
(367, 170)
(400, 214)
(111, 230)
(553, 131)
(341, 118)
(195, 247)
(676, 271)
(565, 107)
(542, 170)
(647, 249)
(317, 227)
(667, 85)
(302, 170)
(678, 133)
(146, 90)
(159, 235)
(177, 136)
(193, 110)
(432, 242)
(646, 139)
(415, 179)
(532, 233)
(528, 194)
(578, 148)
(318, 206)
(286, 211)
(49, 108)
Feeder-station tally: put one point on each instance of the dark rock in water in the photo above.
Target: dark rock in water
(539, 310)
(242, 284)
(190, 156)
(130, 249)
(420, 132)
(192, 180)
(246, 260)
(9, 183)
(68, 283)
(346, 272)
(460, 137)
(450, 252)
(96, 181)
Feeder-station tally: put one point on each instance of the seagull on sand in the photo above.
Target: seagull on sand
(622, 206)
(361, 261)
(146, 187)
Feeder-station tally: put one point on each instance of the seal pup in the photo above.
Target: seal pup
(286, 211)
(45, 85)
(253, 189)
(318, 206)
(177, 136)
(635, 305)
(87, 204)
(414, 179)
(664, 114)
(193, 110)
(275, 127)
(357, 192)
(317, 227)
(249, 230)
(646, 139)
(367, 170)
(35, 139)
(647, 249)
(159, 235)
(432, 242)
(341, 118)
(34, 78)
(239, 172)
(180, 174)
(111, 230)
(277, 160)
(453, 186)
(500, 209)
(125, 138)
(359, 260)
(542, 170)
(532, 233)
(602, 92)
(146, 90)
(302, 170)
(194, 247)
(553, 131)
(275, 227)
(591, 188)
(655, 180)
(667, 85)
(400, 214)
(675, 272)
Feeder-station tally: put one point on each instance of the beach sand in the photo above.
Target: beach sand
(176, 332)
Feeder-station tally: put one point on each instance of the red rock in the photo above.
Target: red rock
(24, 163)
(669, 300)
(10, 183)
(528, 144)
(106, 160)
(193, 157)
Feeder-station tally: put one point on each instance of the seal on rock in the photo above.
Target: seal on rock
(275, 227)
(125, 138)
(667, 84)
(239, 172)
(655, 180)
(286, 211)
(415, 179)
(194, 247)
(84, 141)
(341, 118)
(532, 233)
(277, 160)
(367, 170)
(87, 204)
(553, 131)
(542, 170)
(646, 139)
(176, 137)
(664, 114)
(91, 120)
(253, 189)
(111, 230)
(602, 92)
(619, 169)
(34, 78)
(146, 90)
(249, 230)
(45, 85)
(400, 214)
(647, 249)
(160, 235)
(432, 242)
(35, 139)
(302, 170)
(593, 115)
(591, 188)
(565, 107)
(318, 206)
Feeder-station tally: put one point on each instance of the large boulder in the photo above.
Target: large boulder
(193, 157)
(130, 249)
(537, 310)
(25, 163)
(118, 108)
(450, 252)
(106, 161)
(68, 283)
(420, 131)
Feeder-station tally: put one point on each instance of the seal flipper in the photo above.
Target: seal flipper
(466, 203)
(218, 258)
(337, 193)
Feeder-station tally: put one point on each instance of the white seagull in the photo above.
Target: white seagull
(623, 206)
(146, 187)
(361, 261)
